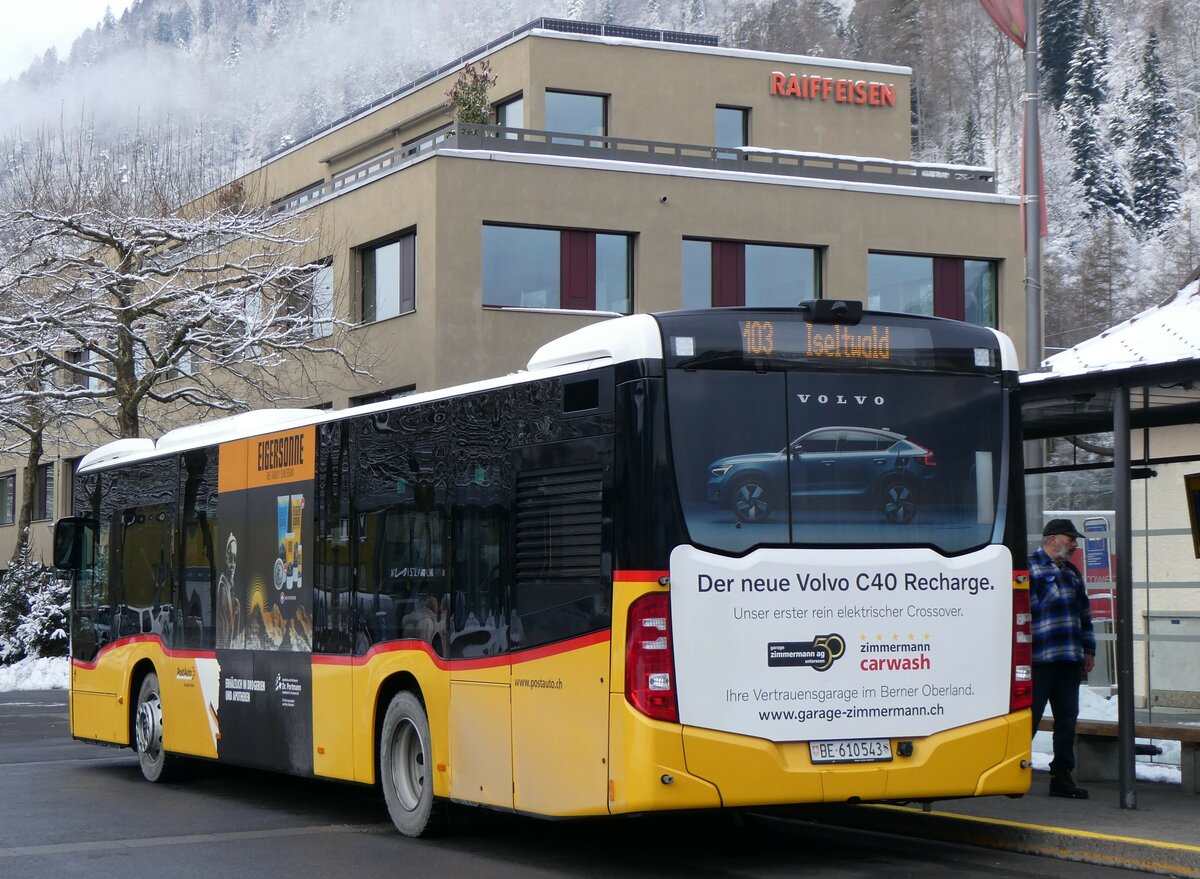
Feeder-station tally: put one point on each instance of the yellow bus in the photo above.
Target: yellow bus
(692, 560)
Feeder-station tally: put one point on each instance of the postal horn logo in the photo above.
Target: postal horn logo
(818, 654)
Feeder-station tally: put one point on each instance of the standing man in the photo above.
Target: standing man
(1064, 648)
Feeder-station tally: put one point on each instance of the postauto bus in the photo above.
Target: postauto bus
(693, 560)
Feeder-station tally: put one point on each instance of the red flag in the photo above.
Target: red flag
(1009, 16)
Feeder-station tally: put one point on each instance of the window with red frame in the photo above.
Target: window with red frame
(942, 286)
(568, 269)
(724, 273)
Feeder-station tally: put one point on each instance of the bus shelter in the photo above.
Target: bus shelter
(1111, 429)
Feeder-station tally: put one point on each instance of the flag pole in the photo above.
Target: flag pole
(1034, 350)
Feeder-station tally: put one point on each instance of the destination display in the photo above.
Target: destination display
(874, 341)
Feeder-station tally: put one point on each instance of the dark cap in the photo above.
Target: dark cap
(1061, 526)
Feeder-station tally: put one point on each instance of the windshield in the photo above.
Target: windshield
(836, 458)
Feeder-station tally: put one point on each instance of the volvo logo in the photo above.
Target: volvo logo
(841, 399)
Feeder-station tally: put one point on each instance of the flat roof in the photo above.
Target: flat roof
(583, 31)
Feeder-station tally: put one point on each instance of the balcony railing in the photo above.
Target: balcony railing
(753, 160)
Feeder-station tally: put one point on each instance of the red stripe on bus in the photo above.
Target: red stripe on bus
(530, 655)
(639, 576)
(144, 639)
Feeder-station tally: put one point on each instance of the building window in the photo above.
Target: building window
(726, 273)
(85, 359)
(732, 129)
(577, 114)
(962, 289)
(389, 278)
(43, 492)
(322, 300)
(511, 113)
(8, 498)
(559, 269)
(70, 477)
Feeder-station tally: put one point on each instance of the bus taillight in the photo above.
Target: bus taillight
(1022, 653)
(649, 658)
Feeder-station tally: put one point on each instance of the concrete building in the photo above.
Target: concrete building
(627, 171)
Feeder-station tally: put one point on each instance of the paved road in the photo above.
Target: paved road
(69, 809)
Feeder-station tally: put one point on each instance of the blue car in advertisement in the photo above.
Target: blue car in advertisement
(883, 468)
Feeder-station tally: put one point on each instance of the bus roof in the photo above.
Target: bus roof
(616, 340)
(611, 341)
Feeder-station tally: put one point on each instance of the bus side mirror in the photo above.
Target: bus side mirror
(70, 535)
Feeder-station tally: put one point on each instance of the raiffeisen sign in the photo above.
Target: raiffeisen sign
(838, 91)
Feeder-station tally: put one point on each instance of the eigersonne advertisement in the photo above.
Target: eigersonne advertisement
(792, 645)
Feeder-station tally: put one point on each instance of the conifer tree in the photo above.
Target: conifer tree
(968, 146)
(207, 15)
(1094, 166)
(1155, 131)
(164, 29)
(185, 23)
(33, 609)
(1059, 25)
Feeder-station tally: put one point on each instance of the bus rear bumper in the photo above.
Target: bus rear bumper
(985, 758)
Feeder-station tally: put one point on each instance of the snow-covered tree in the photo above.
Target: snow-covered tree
(38, 404)
(1095, 167)
(164, 29)
(1058, 34)
(176, 309)
(33, 609)
(185, 23)
(207, 15)
(1155, 134)
(653, 14)
(968, 146)
(234, 57)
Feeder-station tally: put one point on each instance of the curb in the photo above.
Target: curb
(1082, 846)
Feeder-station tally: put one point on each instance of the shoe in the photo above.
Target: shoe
(1062, 786)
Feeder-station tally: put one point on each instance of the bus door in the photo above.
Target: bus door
(481, 748)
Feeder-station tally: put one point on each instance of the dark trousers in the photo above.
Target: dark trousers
(1058, 684)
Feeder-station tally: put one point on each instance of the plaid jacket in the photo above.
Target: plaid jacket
(1062, 616)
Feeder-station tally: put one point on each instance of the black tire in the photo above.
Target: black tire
(156, 764)
(752, 500)
(899, 503)
(406, 768)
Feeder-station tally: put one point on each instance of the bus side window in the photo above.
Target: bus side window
(481, 626)
(400, 526)
(143, 558)
(331, 597)
(197, 574)
(91, 594)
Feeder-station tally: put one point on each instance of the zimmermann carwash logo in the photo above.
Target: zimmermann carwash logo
(819, 654)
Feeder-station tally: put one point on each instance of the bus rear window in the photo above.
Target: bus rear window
(827, 458)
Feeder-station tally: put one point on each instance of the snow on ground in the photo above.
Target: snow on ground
(35, 673)
(1164, 767)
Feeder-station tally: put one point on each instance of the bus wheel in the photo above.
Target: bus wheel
(406, 767)
(156, 764)
(751, 500)
(899, 503)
